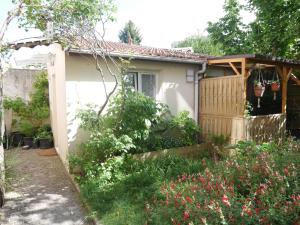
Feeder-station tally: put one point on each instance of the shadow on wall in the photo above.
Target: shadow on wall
(171, 97)
(76, 135)
(266, 128)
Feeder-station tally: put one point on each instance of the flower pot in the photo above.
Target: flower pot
(259, 90)
(28, 141)
(16, 139)
(275, 86)
(45, 143)
(35, 144)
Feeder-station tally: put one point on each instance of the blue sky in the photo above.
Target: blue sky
(161, 22)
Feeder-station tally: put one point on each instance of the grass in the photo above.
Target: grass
(122, 200)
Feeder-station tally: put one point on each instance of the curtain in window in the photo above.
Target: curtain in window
(148, 84)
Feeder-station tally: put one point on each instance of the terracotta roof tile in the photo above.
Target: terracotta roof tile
(143, 51)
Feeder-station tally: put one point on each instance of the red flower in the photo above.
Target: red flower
(186, 215)
(189, 199)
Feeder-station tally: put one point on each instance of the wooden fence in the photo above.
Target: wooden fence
(222, 96)
(221, 111)
(265, 128)
(221, 100)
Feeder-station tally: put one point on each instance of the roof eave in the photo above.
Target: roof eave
(142, 57)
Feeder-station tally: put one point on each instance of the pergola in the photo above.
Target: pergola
(223, 99)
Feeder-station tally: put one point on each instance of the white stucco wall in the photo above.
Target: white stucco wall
(84, 86)
(57, 97)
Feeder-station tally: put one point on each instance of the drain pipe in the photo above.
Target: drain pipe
(198, 76)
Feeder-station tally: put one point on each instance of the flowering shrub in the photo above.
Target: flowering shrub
(262, 188)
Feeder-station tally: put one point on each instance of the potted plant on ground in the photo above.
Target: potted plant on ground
(28, 130)
(44, 137)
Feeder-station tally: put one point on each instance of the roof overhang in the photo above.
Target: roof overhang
(254, 58)
(140, 57)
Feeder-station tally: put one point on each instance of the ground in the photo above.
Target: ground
(41, 192)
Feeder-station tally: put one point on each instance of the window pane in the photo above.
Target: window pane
(148, 84)
(131, 80)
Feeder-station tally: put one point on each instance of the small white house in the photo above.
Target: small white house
(167, 75)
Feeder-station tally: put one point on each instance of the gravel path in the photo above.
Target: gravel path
(41, 193)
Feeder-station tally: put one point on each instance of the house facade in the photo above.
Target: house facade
(163, 74)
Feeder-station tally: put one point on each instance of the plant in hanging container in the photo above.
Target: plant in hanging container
(275, 85)
(259, 89)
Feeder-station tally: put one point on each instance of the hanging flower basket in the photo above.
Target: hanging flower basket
(259, 89)
(275, 86)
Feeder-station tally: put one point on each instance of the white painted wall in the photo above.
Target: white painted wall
(17, 83)
(57, 97)
(75, 82)
(84, 86)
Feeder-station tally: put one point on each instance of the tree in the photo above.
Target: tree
(276, 29)
(200, 44)
(130, 32)
(229, 30)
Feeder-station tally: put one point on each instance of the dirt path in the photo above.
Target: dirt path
(41, 194)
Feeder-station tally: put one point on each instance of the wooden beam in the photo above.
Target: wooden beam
(234, 68)
(289, 73)
(294, 78)
(220, 61)
(279, 71)
(284, 89)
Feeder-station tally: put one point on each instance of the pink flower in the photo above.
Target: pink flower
(225, 200)
(186, 215)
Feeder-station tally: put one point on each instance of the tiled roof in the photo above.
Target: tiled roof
(144, 52)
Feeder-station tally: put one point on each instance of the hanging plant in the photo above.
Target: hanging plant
(275, 85)
(259, 87)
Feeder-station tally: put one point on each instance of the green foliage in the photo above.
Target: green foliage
(66, 15)
(200, 44)
(134, 123)
(44, 132)
(118, 189)
(173, 131)
(130, 31)
(275, 30)
(229, 31)
(259, 187)
(32, 114)
(26, 128)
(258, 183)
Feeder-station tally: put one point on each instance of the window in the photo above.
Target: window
(143, 82)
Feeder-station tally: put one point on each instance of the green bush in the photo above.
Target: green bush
(134, 123)
(173, 131)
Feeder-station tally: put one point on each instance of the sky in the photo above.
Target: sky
(161, 22)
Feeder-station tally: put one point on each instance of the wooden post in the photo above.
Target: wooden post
(244, 72)
(284, 88)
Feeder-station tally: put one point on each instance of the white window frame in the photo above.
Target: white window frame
(138, 81)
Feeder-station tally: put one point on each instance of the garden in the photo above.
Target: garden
(30, 120)
(246, 183)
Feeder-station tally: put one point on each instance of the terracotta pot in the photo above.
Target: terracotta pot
(275, 86)
(259, 90)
